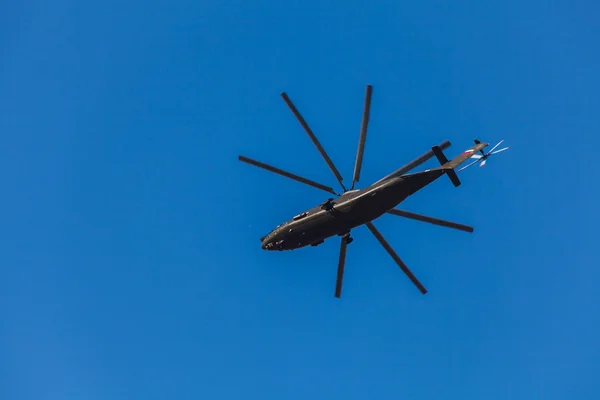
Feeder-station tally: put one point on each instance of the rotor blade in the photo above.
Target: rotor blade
(340, 270)
(468, 165)
(392, 253)
(482, 163)
(420, 160)
(477, 156)
(363, 135)
(497, 144)
(416, 162)
(431, 220)
(313, 138)
(498, 151)
(287, 174)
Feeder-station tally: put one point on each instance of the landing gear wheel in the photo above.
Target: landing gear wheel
(348, 238)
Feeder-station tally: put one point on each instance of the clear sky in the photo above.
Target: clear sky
(131, 265)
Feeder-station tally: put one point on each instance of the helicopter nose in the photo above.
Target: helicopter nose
(266, 242)
(272, 241)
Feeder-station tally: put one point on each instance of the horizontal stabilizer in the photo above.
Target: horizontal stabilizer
(453, 177)
(439, 154)
(445, 163)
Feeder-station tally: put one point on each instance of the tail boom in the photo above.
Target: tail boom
(449, 166)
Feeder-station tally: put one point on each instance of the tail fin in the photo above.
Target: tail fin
(447, 166)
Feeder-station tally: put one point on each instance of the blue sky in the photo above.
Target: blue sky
(131, 265)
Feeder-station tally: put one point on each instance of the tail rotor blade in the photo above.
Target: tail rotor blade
(482, 163)
(468, 165)
(498, 151)
(498, 144)
(363, 135)
(340, 270)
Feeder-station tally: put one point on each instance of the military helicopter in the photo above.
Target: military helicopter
(355, 207)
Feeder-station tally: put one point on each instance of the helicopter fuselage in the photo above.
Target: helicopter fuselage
(352, 209)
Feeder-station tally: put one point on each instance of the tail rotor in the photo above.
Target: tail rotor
(483, 157)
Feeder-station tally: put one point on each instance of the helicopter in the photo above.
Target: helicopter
(356, 207)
